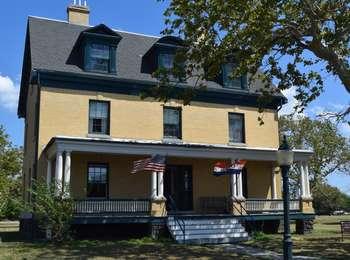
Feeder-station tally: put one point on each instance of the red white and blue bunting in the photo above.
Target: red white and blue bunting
(223, 168)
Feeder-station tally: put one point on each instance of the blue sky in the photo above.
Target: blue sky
(142, 16)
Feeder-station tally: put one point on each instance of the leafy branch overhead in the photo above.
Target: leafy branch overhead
(288, 43)
(331, 149)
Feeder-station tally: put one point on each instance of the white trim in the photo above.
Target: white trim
(58, 171)
(153, 195)
(160, 185)
(67, 170)
(273, 184)
(302, 180)
(150, 147)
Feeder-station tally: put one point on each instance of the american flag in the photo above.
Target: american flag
(155, 163)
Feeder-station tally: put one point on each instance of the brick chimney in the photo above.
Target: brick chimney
(78, 12)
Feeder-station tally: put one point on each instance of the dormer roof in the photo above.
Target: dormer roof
(50, 44)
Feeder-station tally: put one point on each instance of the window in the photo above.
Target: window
(100, 58)
(97, 183)
(172, 122)
(236, 128)
(228, 82)
(166, 61)
(99, 117)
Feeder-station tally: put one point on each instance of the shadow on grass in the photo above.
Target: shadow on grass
(86, 249)
(323, 248)
(145, 248)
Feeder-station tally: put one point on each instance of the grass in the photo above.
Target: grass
(324, 242)
(144, 248)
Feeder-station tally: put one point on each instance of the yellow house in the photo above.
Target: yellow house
(86, 125)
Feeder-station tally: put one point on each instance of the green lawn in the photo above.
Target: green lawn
(324, 242)
(92, 249)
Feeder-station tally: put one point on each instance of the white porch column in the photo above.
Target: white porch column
(58, 171)
(154, 185)
(240, 186)
(302, 180)
(233, 184)
(273, 184)
(307, 181)
(160, 185)
(48, 173)
(67, 171)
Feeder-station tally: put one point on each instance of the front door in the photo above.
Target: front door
(178, 187)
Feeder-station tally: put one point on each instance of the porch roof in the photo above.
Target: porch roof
(174, 148)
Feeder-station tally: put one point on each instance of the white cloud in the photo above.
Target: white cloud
(288, 108)
(9, 92)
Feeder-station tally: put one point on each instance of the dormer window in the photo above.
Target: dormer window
(100, 57)
(163, 59)
(166, 61)
(96, 50)
(228, 81)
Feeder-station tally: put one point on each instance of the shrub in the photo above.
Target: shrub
(260, 236)
(53, 211)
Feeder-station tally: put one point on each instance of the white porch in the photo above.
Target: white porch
(60, 150)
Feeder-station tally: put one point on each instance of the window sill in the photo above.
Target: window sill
(100, 136)
(169, 140)
(236, 144)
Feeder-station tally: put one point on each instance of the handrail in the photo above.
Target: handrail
(250, 217)
(178, 220)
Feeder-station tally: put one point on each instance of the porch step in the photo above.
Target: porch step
(206, 230)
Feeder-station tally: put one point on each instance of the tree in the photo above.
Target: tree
(331, 149)
(327, 199)
(10, 176)
(54, 212)
(284, 42)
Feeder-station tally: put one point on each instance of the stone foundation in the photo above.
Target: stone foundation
(157, 230)
(304, 226)
(266, 226)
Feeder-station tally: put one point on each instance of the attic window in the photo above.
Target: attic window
(228, 81)
(166, 60)
(100, 57)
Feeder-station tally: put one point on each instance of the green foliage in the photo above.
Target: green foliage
(331, 155)
(331, 149)
(10, 177)
(260, 236)
(327, 199)
(285, 42)
(53, 211)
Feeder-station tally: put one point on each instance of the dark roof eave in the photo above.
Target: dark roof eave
(132, 86)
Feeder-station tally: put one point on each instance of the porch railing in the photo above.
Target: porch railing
(112, 206)
(261, 205)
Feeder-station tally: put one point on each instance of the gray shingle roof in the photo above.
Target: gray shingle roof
(50, 47)
(52, 42)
